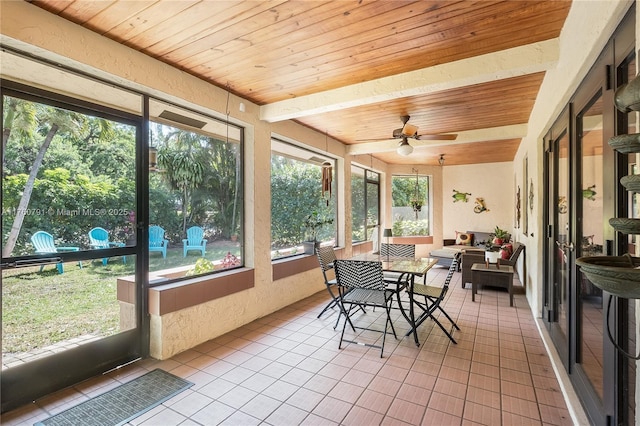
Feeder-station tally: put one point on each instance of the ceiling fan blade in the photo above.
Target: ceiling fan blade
(442, 137)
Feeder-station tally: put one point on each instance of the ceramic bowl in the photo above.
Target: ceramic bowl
(626, 143)
(631, 183)
(618, 275)
(625, 225)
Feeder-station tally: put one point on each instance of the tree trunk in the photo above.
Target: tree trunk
(8, 124)
(26, 195)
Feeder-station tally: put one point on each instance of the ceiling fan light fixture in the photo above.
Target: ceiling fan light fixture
(404, 148)
(441, 160)
(409, 130)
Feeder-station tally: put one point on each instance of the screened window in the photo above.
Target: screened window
(302, 214)
(365, 203)
(195, 193)
(411, 205)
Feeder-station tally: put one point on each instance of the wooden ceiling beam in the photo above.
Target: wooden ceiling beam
(507, 63)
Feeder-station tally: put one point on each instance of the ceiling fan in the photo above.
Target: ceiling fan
(409, 131)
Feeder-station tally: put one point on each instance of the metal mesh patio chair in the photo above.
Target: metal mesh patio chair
(433, 298)
(326, 258)
(361, 283)
(396, 282)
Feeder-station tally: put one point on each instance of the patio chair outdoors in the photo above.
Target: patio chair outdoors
(433, 299)
(99, 239)
(157, 242)
(361, 283)
(194, 241)
(44, 243)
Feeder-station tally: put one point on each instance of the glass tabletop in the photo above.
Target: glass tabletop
(417, 266)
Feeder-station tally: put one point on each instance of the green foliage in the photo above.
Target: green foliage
(201, 178)
(202, 266)
(67, 206)
(295, 194)
(403, 190)
(313, 225)
(500, 233)
(410, 227)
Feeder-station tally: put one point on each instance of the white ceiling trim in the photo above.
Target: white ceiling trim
(514, 131)
(522, 60)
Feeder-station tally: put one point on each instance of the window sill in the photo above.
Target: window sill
(171, 297)
(288, 266)
(418, 239)
(282, 268)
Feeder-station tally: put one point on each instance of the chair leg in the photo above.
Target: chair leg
(449, 318)
(60, 268)
(104, 261)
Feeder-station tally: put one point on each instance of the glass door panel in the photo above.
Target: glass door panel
(68, 246)
(591, 229)
(562, 238)
(558, 244)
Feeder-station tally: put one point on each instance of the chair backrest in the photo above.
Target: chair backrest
(452, 268)
(43, 242)
(98, 236)
(326, 257)
(359, 274)
(194, 235)
(516, 253)
(398, 250)
(156, 236)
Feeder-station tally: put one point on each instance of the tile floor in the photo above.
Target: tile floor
(286, 369)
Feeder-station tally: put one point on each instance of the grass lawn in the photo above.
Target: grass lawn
(43, 308)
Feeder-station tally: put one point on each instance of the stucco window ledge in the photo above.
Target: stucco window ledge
(288, 266)
(174, 296)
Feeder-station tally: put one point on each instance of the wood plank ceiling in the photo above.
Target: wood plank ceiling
(306, 56)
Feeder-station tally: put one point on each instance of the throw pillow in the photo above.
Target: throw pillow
(463, 238)
(505, 251)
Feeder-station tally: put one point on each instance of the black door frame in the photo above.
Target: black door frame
(22, 384)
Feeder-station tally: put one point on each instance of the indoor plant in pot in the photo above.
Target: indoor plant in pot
(500, 236)
(313, 224)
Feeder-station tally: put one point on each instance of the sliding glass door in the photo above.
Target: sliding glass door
(69, 227)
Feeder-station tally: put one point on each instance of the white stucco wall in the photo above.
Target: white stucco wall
(493, 182)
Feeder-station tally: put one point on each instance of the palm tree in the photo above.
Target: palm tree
(33, 121)
(183, 158)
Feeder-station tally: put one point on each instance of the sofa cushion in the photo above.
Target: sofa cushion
(451, 251)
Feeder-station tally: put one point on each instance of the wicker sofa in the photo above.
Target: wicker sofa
(446, 254)
(469, 258)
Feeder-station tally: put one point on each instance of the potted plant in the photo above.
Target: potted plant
(313, 224)
(499, 236)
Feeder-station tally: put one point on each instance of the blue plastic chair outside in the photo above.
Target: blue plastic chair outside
(99, 239)
(194, 241)
(157, 242)
(44, 243)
